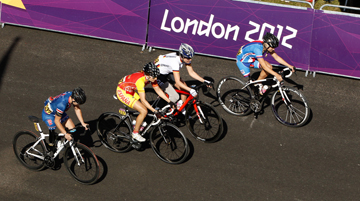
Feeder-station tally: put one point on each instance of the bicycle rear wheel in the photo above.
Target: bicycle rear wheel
(169, 143)
(114, 132)
(31, 158)
(295, 113)
(83, 165)
(232, 97)
(206, 127)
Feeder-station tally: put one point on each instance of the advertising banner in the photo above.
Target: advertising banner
(335, 46)
(220, 28)
(110, 19)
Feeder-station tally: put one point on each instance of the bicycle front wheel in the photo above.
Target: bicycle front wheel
(114, 132)
(82, 164)
(292, 109)
(31, 157)
(232, 97)
(207, 126)
(169, 143)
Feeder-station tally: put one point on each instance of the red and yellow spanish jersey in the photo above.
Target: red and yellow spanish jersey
(135, 81)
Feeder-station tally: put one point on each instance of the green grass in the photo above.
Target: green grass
(318, 4)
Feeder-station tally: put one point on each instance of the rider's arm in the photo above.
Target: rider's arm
(79, 116)
(161, 93)
(179, 83)
(193, 74)
(281, 60)
(145, 102)
(265, 66)
(59, 125)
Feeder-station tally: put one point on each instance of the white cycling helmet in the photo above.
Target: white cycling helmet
(186, 51)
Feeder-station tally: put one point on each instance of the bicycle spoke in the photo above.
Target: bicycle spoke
(294, 111)
(82, 164)
(29, 155)
(114, 132)
(232, 97)
(207, 126)
(169, 144)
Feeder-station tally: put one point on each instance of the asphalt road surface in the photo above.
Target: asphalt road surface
(256, 159)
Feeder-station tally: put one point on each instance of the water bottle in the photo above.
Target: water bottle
(143, 125)
(264, 88)
(179, 104)
(133, 123)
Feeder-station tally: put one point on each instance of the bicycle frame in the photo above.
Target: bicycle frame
(277, 85)
(41, 139)
(126, 115)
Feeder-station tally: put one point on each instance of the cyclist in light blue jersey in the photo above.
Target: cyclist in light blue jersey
(251, 55)
(54, 113)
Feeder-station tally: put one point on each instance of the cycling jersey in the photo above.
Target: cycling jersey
(57, 105)
(248, 56)
(169, 63)
(125, 90)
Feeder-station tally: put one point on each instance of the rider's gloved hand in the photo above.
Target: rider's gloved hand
(278, 77)
(193, 92)
(158, 114)
(172, 104)
(207, 82)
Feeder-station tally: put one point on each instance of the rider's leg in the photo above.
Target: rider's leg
(132, 101)
(169, 89)
(263, 73)
(69, 124)
(138, 106)
(52, 137)
(182, 96)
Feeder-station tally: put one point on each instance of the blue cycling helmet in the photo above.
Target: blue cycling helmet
(186, 51)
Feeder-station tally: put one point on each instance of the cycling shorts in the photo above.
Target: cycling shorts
(128, 99)
(49, 119)
(245, 67)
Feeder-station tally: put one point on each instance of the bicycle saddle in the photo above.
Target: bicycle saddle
(34, 119)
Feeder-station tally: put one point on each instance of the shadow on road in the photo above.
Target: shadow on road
(5, 59)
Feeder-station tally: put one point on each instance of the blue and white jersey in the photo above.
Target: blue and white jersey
(250, 52)
(58, 105)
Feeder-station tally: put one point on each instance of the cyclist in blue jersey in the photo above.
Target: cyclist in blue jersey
(251, 55)
(54, 113)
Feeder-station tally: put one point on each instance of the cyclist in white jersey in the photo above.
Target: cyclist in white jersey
(170, 65)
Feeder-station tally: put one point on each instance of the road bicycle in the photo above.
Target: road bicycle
(203, 121)
(34, 153)
(288, 104)
(166, 140)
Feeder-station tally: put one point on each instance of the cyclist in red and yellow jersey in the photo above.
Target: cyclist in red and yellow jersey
(126, 93)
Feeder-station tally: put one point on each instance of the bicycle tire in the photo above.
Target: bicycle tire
(88, 171)
(232, 98)
(294, 115)
(114, 132)
(209, 129)
(176, 150)
(22, 141)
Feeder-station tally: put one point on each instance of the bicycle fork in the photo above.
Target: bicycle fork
(77, 155)
(199, 113)
(167, 140)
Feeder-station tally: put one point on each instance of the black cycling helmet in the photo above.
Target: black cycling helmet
(78, 94)
(151, 69)
(271, 40)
